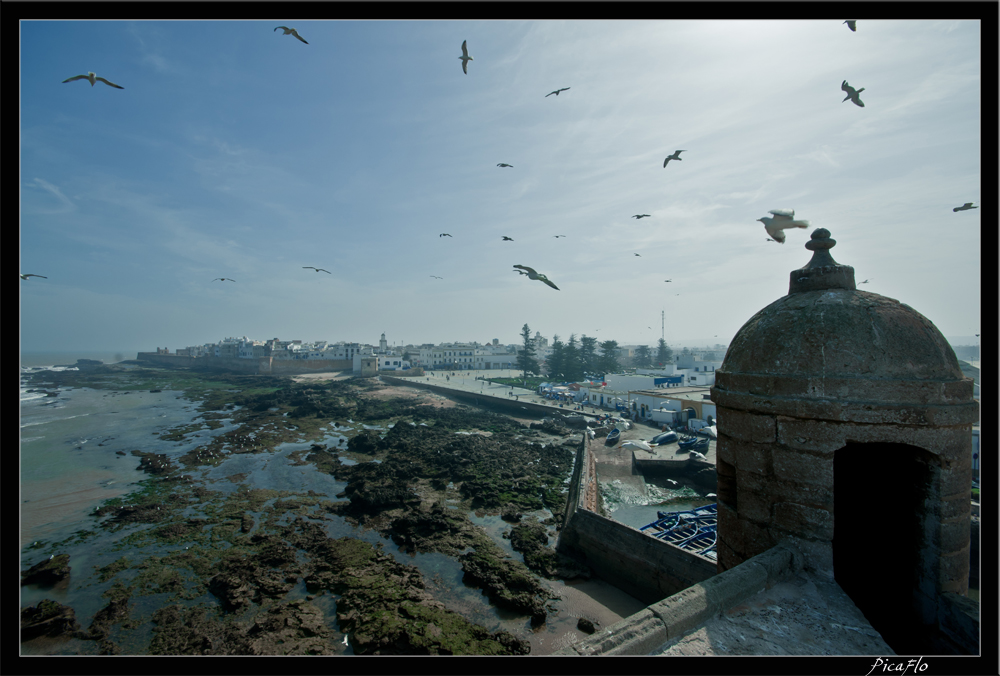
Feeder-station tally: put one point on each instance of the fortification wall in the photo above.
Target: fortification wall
(270, 365)
(280, 367)
(647, 568)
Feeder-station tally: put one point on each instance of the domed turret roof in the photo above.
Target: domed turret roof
(828, 343)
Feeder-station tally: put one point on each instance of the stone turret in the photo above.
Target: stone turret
(844, 427)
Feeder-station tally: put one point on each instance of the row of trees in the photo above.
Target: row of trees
(573, 359)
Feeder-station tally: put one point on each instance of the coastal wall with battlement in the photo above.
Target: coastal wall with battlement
(647, 568)
(263, 365)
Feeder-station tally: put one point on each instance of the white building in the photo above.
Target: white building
(388, 362)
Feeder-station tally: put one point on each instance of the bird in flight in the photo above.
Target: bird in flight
(444, 234)
(28, 274)
(508, 239)
(465, 58)
(558, 236)
(965, 207)
(675, 156)
(852, 24)
(309, 267)
(504, 164)
(536, 275)
(782, 220)
(667, 280)
(224, 279)
(638, 255)
(852, 94)
(769, 240)
(436, 277)
(290, 31)
(556, 92)
(639, 217)
(864, 282)
(90, 77)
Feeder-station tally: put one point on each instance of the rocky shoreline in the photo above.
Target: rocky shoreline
(249, 548)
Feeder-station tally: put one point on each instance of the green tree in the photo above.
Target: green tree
(664, 355)
(588, 354)
(609, 357)
(643, 358)
(556, 361)
(574, 366)
(526, 361)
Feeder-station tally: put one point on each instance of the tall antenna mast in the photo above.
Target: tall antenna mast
(663, 335)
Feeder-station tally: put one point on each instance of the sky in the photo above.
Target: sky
(236, 151)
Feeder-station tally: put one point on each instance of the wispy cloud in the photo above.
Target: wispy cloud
(65, 204)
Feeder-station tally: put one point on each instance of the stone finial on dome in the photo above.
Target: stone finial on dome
(822, 272)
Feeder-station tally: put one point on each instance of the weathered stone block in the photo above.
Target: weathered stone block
(818, 436)
(685, 610)
(817, 556)
(746, 426)
(755, 507)
(724, 452)
(756, 539)
(637, 634)
(728, 557)
(804, 521)
(752, 457)
(954, 536)
(802, 467)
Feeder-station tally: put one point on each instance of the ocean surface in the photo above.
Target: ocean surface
(69, 465)
(53, 358)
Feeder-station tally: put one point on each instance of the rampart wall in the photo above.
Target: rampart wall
(647, 568)
(269, 365)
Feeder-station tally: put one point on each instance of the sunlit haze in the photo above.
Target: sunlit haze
(235, 151)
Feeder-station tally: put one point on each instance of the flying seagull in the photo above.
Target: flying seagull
(852, 94)
(667, 280)
(536, 275)
(504, 164)
(436, 277)
(864, 282)
(769, 240)
(639, 217)
(675, 156)
(508, 239)
(465, 58)
(638, 255)
(444, 234)
(558, 236)
(93, 80)
(290, 31)
(556, 92)
(852, 24)
(224, 279)
(782, 220)
(965, 207)
(309, 267)
(28, 274)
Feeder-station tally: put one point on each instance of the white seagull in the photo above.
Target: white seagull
(965, 207)
(852, 24)
(224, 279)
(852, 94)
(25, 275)
(465, 57)
(639, 217)
(697, 454)
(536, 275)
(291, 31)
(309, 267)
(866, 281)
(504, 164)
(782, 220)
(93, 80)
(556, 92)
(675, 156)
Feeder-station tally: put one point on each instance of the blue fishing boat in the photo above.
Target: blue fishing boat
(613, 437)
(687, 442)
(694, 530)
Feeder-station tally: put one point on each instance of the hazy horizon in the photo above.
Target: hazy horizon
(234, 151)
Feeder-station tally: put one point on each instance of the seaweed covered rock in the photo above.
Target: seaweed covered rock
(48, 618)
(508, 583)
(48, 572)
(366, 442)
(531, 539)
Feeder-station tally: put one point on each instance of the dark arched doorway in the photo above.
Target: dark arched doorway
(884, 538)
